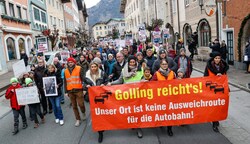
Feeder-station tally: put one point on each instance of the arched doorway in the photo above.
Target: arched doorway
(204, 33)
(29, 44)
(11, 48)
(244, 36)
(187, 34)
(21, 45)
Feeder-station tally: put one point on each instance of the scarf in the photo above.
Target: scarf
(147, 77)
(129, 71)
(164, 72)
(95, 76)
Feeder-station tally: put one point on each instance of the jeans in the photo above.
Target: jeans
(44, 101)
(36, 109)
(56, 105)
(63, 91)
(16, 116)
(76, 98)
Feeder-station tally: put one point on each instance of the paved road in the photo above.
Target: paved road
(51, 133)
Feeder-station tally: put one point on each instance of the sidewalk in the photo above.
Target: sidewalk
(237, 78)
(5, 81)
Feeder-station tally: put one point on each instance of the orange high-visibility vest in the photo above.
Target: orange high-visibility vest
(161, 77)
(73, 80)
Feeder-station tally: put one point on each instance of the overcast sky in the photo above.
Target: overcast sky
(90, 3)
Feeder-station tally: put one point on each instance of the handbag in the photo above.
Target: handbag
(245, 58)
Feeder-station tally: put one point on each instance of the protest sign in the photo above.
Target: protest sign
(156, 36)
(42, 44)
(142, 36)
(49, 85)
(27, 95)
(159, 103)
(128, 39)
(19, 68)
(64, 56)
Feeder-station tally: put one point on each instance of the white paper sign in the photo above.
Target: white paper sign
(27, 95)
(64, 56)
(19, 68)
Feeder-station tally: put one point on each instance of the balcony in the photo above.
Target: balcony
(65, 1)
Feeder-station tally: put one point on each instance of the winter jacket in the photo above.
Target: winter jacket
(58, 67)
(189, 65)
(223, 51)
(150, 61)
(25, 58)
(84, 65)
(211, 67)
(103, 79)
(12, 96)
(247, 51)
(108, 66)
(58, 81)
(215, 47)
(171, 64)
(39, 73)
(117, 69)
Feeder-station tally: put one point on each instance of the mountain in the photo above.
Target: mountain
(104, 10)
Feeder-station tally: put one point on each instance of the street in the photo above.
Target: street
(232, 129)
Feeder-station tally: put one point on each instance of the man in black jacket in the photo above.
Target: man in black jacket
(118, 66)
(215, 46)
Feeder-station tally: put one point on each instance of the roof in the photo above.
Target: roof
(98, 23)
(115, 19)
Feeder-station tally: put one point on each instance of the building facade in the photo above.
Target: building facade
(15, 33)
(115, 23)
(99, 29)
(236, 30)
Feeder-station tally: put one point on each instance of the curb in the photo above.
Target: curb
(4, 115)
(230, 82)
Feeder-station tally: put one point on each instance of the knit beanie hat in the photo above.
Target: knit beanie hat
(138, 53)
(214, 54)
(97, 60)
(131, 57)
(182, 49)
(28, 81)
(161, 51)
(181, 70)
(13, 80)
(71, 60)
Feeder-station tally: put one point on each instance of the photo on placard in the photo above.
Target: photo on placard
(49, 85)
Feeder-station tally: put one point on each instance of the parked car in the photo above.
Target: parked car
(49, 56)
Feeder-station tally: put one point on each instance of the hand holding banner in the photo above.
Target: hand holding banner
(159, 103)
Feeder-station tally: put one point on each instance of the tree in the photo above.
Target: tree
(53, 37)
(154, 26)
(115, 33)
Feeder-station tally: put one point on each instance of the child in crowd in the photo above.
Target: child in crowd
(16, 108)
(34, 108)
(146, 74)
(180, 73)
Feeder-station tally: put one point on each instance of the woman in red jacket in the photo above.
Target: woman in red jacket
(16, 108)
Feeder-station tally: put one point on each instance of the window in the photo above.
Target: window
(96, 33)
(11, 48)
(49, 1)
(51, 20)
(186, 3)
(57, 5)
(12, 12)
(174, 6)
(59, 22)
(96, 28)
(100, 33)
(204, 34)
(53, 3)
(19, 13)
(62, 23)
(54, 20)
(3, 7)
(100, 28)
(25, 16)
(105, 27)
(36, 14)
(106, 33)
(43, 15)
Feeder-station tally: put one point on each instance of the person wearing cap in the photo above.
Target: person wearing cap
(39, 73)
(164, 73)
(163, 55)
(35, 108)
(216, 66)
(181, 73)
(131, 73)
(99, 61)
(184, 62)
(215, 46)
(109, 64)
(150, 58)
(16, 108)
(22, 78)
(74, 78)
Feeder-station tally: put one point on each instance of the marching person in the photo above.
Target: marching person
(56, 100)
(247, 55)
(16, 108)
(74, 77)
(96, 77)
(35, 108)
(40, 72)
(164, 73)
(184, 62)
(118, 66)
(131, 73)
(216, 66)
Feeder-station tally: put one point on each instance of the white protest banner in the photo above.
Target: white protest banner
(122, 43)
(64, 56)
(166, 33)
(27, 95)
(19, 68)
(42, 44)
